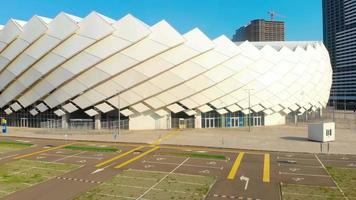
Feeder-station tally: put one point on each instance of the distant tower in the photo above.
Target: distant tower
(261, 30)
(339, 20)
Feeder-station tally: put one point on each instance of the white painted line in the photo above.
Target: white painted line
(314, 195)
(286, 158)
(8, 156)
(82, 157)
(297, 165)
(182, 163)
(185, 165)
(152, 171)
(298, 174)
(70, 156)
(191, 158)
(337, 185)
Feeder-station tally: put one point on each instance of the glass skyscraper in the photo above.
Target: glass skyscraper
(339, 18)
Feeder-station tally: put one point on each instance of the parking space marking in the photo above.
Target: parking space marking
(118, 156)
(82, 157)
(186, 165)
(235, 166)
(136, 158)
(266, 168)
(337, 185)
(69, 156)
(233, 197)
(191, 158)
(299, 174)
(297, 165)
(43, 151)
(158, 182)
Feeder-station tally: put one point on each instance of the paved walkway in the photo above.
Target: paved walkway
(277, 138)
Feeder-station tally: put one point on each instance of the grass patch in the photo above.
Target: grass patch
(92, 148)
(15, 143)
(346, 179)
(8, 146)
(198, 155)
(20, 174)
(307, 192)
(133, 183)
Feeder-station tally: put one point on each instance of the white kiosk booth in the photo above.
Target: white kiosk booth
(322, 132)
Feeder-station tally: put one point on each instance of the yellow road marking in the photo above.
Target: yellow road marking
(266, 168)
(165, 137)
(118, 156)
(235, 166)
(42, 151)
(136, 158)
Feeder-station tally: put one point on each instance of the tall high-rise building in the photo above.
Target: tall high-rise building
(260, 30)
(339, 17)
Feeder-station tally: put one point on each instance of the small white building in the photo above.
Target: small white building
(322, 132)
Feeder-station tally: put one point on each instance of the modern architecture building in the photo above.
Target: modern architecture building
(339, 18)
(260, 30)
(66, 70)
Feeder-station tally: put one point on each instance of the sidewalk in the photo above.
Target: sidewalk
(277, 138)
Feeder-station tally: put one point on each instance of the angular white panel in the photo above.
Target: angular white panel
(15, 106)
(175, 108)
(190, 112)
(73, 45)
(222, 111)
(34, 28)
(257, 108)
(205, 108)
(33, 112)
(91, 112)
(14, 49)
(131, 29)
(140, 107)
(233, 108)
(63, 25)
(8, 111)
(42, 107)
(95, 26)
(42, 46)
(268, 111)
(162, 113)
(59, 112)
(108, 46)
(126, 112)
(69, 107)
(104, 107)
(11, 31)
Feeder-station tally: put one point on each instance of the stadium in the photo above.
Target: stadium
(94, 71)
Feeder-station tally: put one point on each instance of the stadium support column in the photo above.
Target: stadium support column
(65, 119)
(98, 121)
(198, 120)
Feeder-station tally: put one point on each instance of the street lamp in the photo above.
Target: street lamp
(249, 109)
(119, 114)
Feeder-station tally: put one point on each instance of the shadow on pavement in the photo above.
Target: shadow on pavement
(295, 138)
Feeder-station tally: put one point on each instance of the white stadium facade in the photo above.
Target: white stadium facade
(70, 70)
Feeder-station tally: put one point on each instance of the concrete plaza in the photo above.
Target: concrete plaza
(275, 138)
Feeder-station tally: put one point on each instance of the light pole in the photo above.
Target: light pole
(118, 104)
(249, 109)
(333, 105)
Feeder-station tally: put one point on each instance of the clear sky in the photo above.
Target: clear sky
(214, 17)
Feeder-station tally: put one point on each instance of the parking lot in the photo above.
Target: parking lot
(143, 171)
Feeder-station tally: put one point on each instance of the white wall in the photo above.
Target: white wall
(275, 119)
(149, 121)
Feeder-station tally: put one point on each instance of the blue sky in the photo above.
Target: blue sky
(214, 17)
